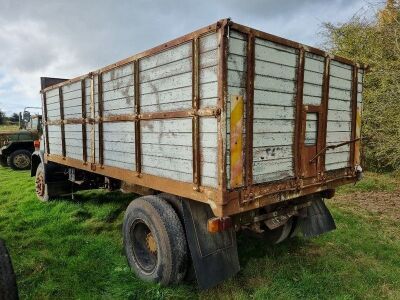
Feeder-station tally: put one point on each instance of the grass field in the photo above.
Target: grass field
(9, 128)
(73, 249)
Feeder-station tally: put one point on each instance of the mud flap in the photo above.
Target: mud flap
(214, 255)
(316, 220)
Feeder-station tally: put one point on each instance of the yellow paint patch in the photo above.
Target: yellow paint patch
(236, 134)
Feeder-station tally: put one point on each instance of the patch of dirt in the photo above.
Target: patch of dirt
(385, 204)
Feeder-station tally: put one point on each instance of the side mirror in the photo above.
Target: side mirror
(27, 116)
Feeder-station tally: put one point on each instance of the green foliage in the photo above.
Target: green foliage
(375, 41)
(72, 249)
(2, 117)
(14, 118)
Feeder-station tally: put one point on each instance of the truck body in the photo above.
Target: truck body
(236, 121)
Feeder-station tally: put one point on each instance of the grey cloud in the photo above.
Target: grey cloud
(71, 37)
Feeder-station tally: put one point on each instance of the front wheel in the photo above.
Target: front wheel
(154, 241)
(41, 187)
(3, 162)
(19, 160)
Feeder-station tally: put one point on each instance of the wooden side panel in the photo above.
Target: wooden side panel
(167, 148)
(72, 97)
(208, 92)
(236, 81)
(119, 145)
(166, 80)
(274, 111)
(118, 91)
(53, 105)
(313, 79)
(164, 84)
(53, 113)
(208, 71)
(55, 139)
(339, 115)
(208, 151)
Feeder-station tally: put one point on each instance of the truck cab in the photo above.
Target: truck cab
(18, 146)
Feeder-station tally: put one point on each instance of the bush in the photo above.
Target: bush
(375, 41)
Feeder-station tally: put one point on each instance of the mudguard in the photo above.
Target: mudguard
(316, 220)
(214, 255)
(36, 159)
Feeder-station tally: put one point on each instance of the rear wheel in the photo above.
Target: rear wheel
(154, 241)
(279, 234)
(8, 284)
(19, 160)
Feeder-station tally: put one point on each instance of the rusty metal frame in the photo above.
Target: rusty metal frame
(196, 120)
(202, 112)
(100, 117)
(299, 109)
(158, 183)
(290, 43)
(62, 125)
(138, 146)
(46, 126)
(84, 116)
(275, 192)
(221, 104)
(93, 127)
(224, 202)
(249, 113)
(354, 92)
(324, 121)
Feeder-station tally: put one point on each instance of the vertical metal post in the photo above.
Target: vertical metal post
(222, 95)
(324, 103)
(100, 117)
(354, 88)
(84, 119)
(195, 119)
(62, 125)
(138, 148)
(249, 109)
(46, 126)
(299, 113)
(92, 125)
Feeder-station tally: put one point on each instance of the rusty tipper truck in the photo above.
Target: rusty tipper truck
(225, 128)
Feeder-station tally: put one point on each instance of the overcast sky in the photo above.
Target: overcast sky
(68, 38)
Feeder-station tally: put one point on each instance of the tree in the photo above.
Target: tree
(14, 117)
(376, 42)
(2, 117)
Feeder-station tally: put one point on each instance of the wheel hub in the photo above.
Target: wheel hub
(21, 161)
(39, 185)
(151, 243)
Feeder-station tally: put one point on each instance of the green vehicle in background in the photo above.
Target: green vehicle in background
(16, 147)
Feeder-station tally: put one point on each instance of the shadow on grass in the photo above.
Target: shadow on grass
(250, 247)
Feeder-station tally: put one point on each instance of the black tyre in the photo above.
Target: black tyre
(41, 187)
(3, 162)
(19, 160)
(8, 284)
(154, 241)
(280, 234)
